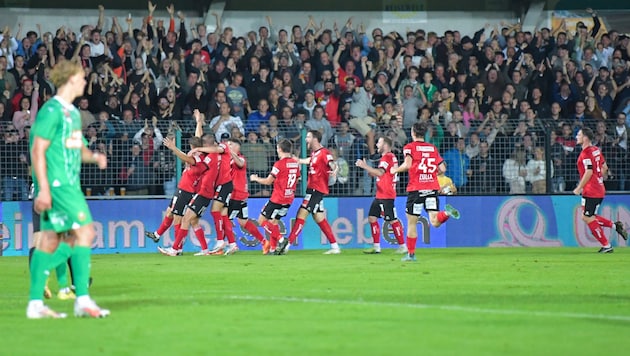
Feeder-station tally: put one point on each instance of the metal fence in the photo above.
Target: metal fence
(487, 157)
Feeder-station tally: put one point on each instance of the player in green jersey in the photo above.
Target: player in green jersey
(57, 151)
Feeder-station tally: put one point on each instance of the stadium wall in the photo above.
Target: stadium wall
(496, 221)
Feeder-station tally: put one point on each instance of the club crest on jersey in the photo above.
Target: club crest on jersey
(75, 141)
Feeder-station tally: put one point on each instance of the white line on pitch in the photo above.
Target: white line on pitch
(431, 306)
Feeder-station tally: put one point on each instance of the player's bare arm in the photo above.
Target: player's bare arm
(264, 181)
(170, 144)
(373, 172)
(240, 162)
(205, 149)
(199, 119)
(587, 176)
(605, 170)
(302, 160)
(89, 156)
(403, 167)
(442, 168)
(43, 201)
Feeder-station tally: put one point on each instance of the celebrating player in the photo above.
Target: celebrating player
(593, 168)
(320, 167)
(383, 204)
(196, 166)
(423, 162)
(284, 176)
(222, 196)
(237, 207)
(57, 150)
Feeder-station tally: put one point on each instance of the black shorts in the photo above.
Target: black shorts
(313, 201)
(36, 220)
(223, 193)
(383, 208)
(417, 200)
(179, 202)
(237, 209)
(198, 204)
(273, 211)
(591, 205)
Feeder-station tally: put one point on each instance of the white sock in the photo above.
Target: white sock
(232, 244)
(35, 303)
(84, 299)
(377, 246)
(608, 246)
(334, 245)
(156, 234)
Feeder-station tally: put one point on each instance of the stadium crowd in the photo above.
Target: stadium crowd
(495, 99)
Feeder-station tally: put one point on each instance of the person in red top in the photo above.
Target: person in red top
(593, 168)
(237, 207)
(320, 167)
(423, 162)
(222, 196)
(195, 167)
(284, 176)
(196, 187)
(383, 204)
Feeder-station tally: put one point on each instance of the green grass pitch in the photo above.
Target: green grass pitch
(481, 301)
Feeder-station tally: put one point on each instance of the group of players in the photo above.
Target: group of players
(215, 176)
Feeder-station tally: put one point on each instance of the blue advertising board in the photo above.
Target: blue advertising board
(491, 221)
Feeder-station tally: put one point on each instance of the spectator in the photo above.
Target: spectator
(537, 171)
(15, 166)
(457, 164)
(515, 171)
(319, 122)
(224, 122)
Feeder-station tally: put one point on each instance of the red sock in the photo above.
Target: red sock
(603, 221)
(442, 216)
(253, 230)
(176, 227)
(166, 223)
(598, 232)
(375, 228)
(201, 237)
(275, 235)
(295, 230)
(398, 232)
(218, 224)
(228, 228)
(179, 238)
(327, 230)
(411, 244)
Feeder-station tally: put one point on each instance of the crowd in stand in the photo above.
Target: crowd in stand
(495, 100)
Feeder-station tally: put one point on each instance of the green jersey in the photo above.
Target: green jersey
(60, 123)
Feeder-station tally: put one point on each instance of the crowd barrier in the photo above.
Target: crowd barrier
(488, 221)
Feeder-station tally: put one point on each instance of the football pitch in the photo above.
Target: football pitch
(476, 301)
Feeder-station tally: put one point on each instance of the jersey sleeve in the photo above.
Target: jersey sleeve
(407, 150)
(587, 161)
(47, 123)
(275, 170)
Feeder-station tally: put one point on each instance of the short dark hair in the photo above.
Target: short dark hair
(285, 145)
(235, 140)
(316, 134)
(388, 141)
(419, 129)
(195, 141)
(587, 132)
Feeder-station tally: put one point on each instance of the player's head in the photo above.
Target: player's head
(384, 144)
(195, 142)
(418, 130)
(285, 146)
(585, 135)
(208, 140)
(70, 75)
(313, 139)
(234, 144)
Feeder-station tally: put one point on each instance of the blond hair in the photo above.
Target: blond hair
(61, 72)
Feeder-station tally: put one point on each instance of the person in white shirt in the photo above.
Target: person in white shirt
(224, 122)
(537, 171)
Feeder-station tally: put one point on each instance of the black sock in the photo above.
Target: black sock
(70, 269)
(30, 256)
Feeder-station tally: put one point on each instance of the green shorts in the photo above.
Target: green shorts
(69, 210)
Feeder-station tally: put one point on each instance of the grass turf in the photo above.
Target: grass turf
(516, 301)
